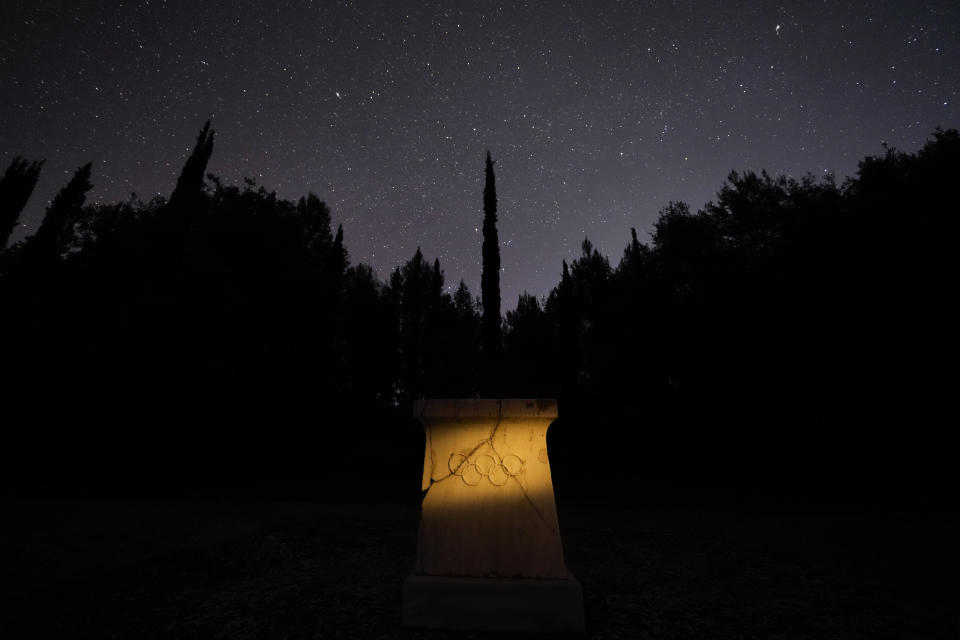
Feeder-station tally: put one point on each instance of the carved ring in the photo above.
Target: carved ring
(495, 469)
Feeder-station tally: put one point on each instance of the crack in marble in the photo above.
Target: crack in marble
(533, 506)
(472, 528)
(433, 465)
(466, 457)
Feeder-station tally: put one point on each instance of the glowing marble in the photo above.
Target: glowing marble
(489, 536)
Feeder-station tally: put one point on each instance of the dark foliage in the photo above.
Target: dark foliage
(56, 231)
(190, 183)
(16, 185)
(786, 343)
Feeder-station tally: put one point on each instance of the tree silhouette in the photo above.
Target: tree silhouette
(564, 307)
(463, 351)
(15, 188)
(56, 230)
(314, 219)
(189, 186)
(490, 329)
(338, 256)
(415, 288)
(528, 340)
(463, 301)
(788, 338)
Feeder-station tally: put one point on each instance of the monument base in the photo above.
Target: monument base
(493, 604)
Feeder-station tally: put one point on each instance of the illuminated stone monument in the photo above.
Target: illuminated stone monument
(489, 554)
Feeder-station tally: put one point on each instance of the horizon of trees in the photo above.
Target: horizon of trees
(21, 176)
(788, 335)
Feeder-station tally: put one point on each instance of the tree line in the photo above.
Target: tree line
(785, 342)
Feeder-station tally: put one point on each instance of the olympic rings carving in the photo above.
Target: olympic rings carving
(498, 470)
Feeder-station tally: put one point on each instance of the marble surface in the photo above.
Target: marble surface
(488, 507)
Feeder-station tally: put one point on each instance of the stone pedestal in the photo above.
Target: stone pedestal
(489, 554)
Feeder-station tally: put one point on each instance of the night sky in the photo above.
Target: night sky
(597, 113)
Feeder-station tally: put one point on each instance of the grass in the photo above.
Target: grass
(318, 570)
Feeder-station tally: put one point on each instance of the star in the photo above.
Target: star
(559, 115)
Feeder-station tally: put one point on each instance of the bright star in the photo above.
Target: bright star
(777, 30)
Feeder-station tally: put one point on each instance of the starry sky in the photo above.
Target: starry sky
(596, 112)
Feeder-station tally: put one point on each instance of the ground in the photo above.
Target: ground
(334, 570)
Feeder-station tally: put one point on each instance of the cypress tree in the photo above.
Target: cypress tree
(56, 229)
(15, 188)
(490, 285)
(190, 183)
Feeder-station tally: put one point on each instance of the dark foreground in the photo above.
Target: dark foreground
(319, 570)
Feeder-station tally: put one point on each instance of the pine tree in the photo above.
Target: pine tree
(436, 281)
(568, 335)
(464, 351)
(490, 285)
(414, 299)
(15, 188)
(463, 301)
(314, 218)
(339, 255)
